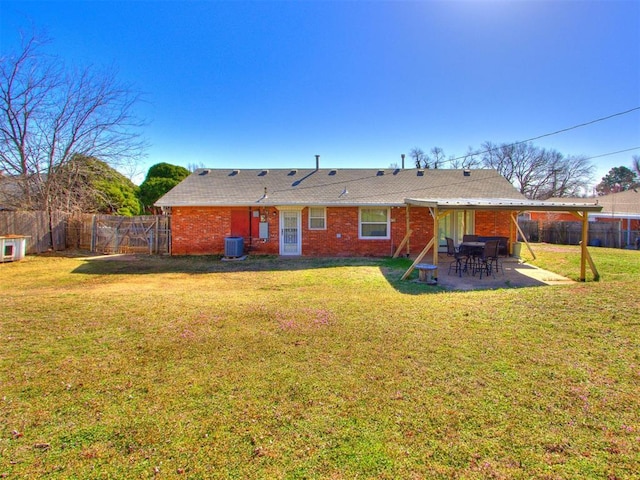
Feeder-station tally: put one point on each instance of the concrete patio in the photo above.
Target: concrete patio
(513, 274)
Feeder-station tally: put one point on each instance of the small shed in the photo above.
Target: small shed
(12, 247)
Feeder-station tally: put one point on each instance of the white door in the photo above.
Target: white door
(290, 232)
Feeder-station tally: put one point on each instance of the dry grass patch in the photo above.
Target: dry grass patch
(195, 368)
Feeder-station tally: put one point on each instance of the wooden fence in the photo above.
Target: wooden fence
(43, 233)
(602, 234)
(96, 233)
(111, 234)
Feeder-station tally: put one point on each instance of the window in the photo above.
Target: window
(374, 223)
(317, 218)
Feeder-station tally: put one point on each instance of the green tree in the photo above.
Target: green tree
(89, 185)
(617, 180)
(161, 178)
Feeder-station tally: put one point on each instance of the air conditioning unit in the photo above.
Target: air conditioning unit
(233, 246)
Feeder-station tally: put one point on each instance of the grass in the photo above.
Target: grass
(315, 368)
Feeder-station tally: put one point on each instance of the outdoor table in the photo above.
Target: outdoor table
(472, 250)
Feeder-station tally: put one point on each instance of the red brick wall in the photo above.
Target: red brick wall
(202, 230)
(341, 236)
(548, 217)
(493, 223)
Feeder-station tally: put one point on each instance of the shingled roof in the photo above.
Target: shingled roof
(339, 187)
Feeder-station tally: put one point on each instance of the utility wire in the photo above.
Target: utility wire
(613, 153)
(608, 117)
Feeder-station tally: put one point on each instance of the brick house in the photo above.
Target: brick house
(330, 212)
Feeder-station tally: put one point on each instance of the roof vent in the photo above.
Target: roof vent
(466, 173)
(333, 172)
(205, 172)
(380, 173)
(263, 173)
(292, 173)
(396, 171)
(234, 173)
(420, 173)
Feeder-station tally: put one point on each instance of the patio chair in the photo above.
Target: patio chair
(458, 257)
(495, 259)
(484, 262)
(469, 238)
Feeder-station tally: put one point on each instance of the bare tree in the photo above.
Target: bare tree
(537, 172)
(49, 114)
(436, 158)
(419, 157)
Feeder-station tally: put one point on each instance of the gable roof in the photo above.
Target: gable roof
(339, 187)
(618, 205)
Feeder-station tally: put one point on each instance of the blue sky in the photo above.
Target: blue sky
(269, 84)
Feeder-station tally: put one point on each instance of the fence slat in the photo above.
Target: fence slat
(605, 234)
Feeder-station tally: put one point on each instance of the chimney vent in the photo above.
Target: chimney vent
(317, 162)
(402, 156)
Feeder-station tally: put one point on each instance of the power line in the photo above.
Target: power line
(591, 122)
(583, 124)
(613, 153)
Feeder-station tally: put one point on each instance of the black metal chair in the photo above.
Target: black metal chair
(484, 262)
(458, 258)
(495, 259)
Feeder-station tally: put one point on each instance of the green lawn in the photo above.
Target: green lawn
(270, 368)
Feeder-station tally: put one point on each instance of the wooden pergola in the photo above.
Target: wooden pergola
(440, 208)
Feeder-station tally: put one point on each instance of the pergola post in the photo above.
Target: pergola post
(585, 256)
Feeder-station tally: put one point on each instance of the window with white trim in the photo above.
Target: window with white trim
(374, 223)
(317, 218)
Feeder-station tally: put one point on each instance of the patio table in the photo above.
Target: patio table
(472, 250)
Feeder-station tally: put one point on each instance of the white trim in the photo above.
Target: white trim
(324, 219)
(388, 223)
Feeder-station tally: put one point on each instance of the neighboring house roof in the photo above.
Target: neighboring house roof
(339, 187)
(617, 205)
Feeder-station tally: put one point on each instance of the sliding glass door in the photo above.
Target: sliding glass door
(455, 225)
